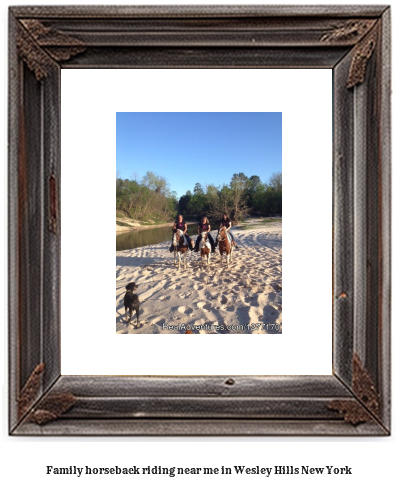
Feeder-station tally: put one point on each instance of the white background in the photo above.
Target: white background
(89, 345)
(373, 460)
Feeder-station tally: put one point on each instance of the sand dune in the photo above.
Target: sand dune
(244, 299)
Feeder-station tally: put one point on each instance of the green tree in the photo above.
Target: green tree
(197, 204)
(156, 183)
(239, 207)
(276, 181)
(150, 199)
(184, 203)
(198, 189)
(253, 185)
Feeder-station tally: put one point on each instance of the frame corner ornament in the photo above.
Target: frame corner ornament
(351, 31)
(51, 407)
(367, 405)
(38, 46)
(364, 387)
(363, 52)
(30, 390)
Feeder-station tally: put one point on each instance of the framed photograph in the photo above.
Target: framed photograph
(50, 48)
(181, 241)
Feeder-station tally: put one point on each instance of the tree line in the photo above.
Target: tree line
(147, 199)
(243, 196)
(151, 198)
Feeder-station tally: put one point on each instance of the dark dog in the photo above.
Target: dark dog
(131, 287)
(131, 302)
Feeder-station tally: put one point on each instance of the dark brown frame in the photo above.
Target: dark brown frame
(353, 41)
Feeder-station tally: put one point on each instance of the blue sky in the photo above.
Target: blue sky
(208, 148)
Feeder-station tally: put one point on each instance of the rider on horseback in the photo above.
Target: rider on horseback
(180, 225)
(204, 226)
(226, 222)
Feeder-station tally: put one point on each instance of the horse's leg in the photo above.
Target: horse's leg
(184, 260)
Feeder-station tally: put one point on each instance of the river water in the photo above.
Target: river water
(140, 238)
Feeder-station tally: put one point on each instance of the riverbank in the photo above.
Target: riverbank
(132, 225)
(244, 299)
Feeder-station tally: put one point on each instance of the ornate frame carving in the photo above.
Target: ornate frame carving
(352, 41)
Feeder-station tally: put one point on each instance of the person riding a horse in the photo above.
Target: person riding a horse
(204, 226)
(226, 222)
(180, 224)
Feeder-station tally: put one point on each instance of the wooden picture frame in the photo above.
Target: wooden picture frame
(353, 41)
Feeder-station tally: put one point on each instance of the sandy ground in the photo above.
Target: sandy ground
(244, 299)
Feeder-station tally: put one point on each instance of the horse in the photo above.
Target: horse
(225, 245)
(205, 248)
(180, 247)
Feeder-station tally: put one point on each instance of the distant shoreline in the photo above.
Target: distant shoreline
(123, 230)
(138, 226)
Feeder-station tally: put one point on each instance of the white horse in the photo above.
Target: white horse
(205, 248)
(225, 246)
(180, 248)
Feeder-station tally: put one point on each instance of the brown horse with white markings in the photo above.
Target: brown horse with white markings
(225, 245)
(180, 248)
